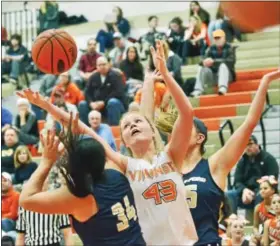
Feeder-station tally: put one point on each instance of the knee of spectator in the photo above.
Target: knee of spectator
(83, 104)
(113, 101)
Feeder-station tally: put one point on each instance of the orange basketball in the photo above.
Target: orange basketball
(54, 51)
(252, 16)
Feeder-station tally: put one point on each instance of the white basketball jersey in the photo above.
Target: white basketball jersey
(160, 197)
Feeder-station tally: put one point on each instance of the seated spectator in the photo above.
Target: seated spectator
(174, 63)
(4, 36)
(104, 93)
(218, 65)
(26, 123)
(133, 71)
(13, 63)
(10, 201)
(87, 64)
(176, 36)
(59, 101)
(103, 130)
(114, 23)
(196, 39)
(11, 142)
(48, 16)
(56, 227)
(6, 118)
(118, 54)
(197, 10)
(224, 23)
(72, 94)
(48, 83)
(254, 164)
(149, 39)
(24, 165)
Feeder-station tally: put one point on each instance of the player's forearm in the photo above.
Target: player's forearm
(181, 101)
(20, 239)
(257, 105)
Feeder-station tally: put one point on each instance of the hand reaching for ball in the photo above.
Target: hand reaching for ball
(34, 98)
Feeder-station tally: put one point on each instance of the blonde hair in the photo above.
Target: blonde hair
(166, 49)
(158, 143)
(20, 149)
(198, 25)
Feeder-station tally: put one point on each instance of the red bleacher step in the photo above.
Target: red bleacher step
(253, 74)
(215, 111)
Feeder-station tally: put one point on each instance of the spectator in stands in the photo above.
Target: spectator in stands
(149, 39)
(24, 165)
(10, 199)
(104, 93)
(26, 123)
(43, 229)
(72, 94)
(196, 39)
(218, 65)
(197, 10)
(176, 36)
(133, 71)
(13, 63)
(103, 130)
(174, 63)
(224, 23)
(6, 117)
(4, 36)
(114, 23)
(11, 142)
(254, 164)
(48, 15)
(118, 54)
(87, 64)
(48, 82)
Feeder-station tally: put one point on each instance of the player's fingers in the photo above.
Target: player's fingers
(20, 94)
(48, 138)
(42, 139)
(152, 49)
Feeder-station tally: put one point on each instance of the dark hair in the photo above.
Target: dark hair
(152, 17)
(178, 21)
(202, 146)
(225, 210)
(272, 186)
(137, 59)
(202, 13)
(120, 15)
(83, 162)
(196, 3)
(16, 37)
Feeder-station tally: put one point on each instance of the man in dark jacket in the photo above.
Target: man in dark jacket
(254, 164)
(104, 93)
(218, 65)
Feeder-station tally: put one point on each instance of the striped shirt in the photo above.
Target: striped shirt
(41, 229)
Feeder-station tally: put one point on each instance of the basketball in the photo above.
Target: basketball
(54, 51)
(252, 16)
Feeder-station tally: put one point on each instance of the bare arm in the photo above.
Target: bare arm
(256, 220)
(20, 239)
(64, 118)
(265, 238)
(67, 233)
(223, 161)
(180, 137)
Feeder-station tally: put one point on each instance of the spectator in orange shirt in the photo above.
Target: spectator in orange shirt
(72, 93)
(10, 199)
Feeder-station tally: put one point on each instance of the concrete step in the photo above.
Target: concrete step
(258, 53)
(258, 44)
(250, 64)
(262, 35)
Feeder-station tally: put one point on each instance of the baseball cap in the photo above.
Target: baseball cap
(117, 35)
(6, 176)
(254, 139)
(218, 33)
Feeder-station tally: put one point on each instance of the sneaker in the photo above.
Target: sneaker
(196, 93)
(222, 90)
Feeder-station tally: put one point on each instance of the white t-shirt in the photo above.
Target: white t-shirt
(160, 197)
(103, 78)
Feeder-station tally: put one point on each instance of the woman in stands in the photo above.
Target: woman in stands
(100, 202)
(158, 188)
(205, 179)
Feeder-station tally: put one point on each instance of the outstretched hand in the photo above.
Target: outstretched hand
(159, 58)
(33, 97)
(272, 75)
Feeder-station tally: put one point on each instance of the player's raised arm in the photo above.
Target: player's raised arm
(182, 129)
(64, 117)
(223, 161)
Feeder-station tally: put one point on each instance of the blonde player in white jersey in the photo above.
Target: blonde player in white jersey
(158, 188)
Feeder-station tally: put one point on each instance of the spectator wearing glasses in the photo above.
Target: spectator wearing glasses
(218, 65)
(105, 93)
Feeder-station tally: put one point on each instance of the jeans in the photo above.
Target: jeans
(8, 225)
(13, 68)
(113, 111)
(190, 50)
(235, 200)
(105, 40)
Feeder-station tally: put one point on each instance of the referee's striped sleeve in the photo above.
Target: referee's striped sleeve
(20, 226)
(64, 221)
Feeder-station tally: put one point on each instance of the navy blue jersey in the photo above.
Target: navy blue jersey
(116, 222)
(205, 198)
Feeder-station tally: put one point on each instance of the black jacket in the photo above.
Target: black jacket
(247, 172)
(113, 87)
